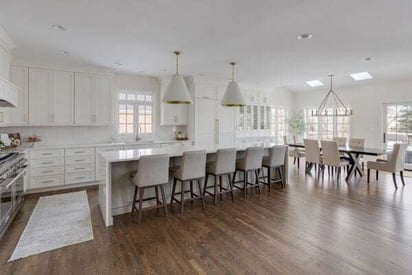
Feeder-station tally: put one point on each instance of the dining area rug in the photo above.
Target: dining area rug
(57, 221)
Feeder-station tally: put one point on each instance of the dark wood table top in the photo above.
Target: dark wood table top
(350, 150)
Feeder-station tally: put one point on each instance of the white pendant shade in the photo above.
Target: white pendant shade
(233, 96)
(177, 92)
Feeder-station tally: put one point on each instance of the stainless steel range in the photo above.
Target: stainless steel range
(12, 171)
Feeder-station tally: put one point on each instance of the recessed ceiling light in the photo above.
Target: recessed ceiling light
(361, 76)
(314, 83)
(368, 59)
(118, 64)
(63, 52)
(59, 27)
(305, 36)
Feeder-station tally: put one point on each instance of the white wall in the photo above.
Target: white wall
(367, 102)
(4, 64)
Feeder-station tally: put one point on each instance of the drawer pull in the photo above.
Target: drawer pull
(49, 171)
(47, 162)
(80, 178)
(46, 181)
(78, 160)
(79, 152)
(46, 154)
(79, 168)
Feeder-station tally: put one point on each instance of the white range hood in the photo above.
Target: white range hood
(8, 94)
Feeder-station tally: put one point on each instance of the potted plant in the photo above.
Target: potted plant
(297, 125)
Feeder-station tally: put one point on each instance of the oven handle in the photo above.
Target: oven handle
(18, 175)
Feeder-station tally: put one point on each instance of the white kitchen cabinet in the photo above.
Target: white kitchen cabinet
(172, 114)
(205, 122)
(93, 99)
(50, 97)
(20, 77)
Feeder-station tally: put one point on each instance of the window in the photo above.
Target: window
(135, 111)
(278, 127)
(326, 127)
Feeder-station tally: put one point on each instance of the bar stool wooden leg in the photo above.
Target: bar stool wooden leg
(231, 187)
(157, 196)
(215, 188)
(257, 181)
(205, 185)
(202, 197)
(244, 183)
(269, 178)
(191, 189)
(182, 196)
(220, 186)
(281, 177)
(162, 191)
(141, 194)
(134, 198)
(173, 193)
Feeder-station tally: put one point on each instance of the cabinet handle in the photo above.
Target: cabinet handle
(78, 160)
(48, 162)
(79, 178)
(48, 171)
(79, 168)
(79, 152)
(46, 154)
(46, 181)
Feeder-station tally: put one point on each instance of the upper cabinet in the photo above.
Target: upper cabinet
(20, 77)
(50, 97)
(93, 99)
(172, 114)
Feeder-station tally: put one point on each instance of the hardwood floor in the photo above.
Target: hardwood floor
(310, 227)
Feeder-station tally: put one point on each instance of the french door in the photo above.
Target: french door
(398, 127)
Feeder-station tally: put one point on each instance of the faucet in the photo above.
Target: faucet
(138, 131)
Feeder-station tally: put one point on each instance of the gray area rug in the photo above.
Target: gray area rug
(57, 221)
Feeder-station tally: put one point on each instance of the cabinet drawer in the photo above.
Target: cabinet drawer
(44, 154)
(80, 168)
(46, 181)
(79, 151)
(46, 162)
(80, 159)
(47, 171)
(79, 177)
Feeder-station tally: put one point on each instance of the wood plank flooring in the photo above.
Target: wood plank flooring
(310, 227)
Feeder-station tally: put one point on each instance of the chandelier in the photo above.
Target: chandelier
(332, 105)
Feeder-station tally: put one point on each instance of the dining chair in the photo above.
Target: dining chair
(295, 153)
(332, 158)
(312, 154)
(393, 165)
(342, 141)
(275, 160)
(152, 172)
(193, 168)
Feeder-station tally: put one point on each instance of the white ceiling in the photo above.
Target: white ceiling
(260, 35)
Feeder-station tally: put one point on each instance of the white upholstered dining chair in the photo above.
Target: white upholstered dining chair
(331, 156)
(312, 153)
(394, 165)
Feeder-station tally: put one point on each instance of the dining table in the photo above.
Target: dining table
(354, 155)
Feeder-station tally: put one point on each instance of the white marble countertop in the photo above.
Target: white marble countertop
(172, 151)
(104, 144)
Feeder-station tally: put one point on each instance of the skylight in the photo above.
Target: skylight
(314, 83)
(361, 76)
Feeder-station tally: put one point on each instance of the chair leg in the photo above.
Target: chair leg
(394, 180)
(220, 186)
(244, 183)
(402, 178)
(269, 178)
(162, 191)
(191, 189)
(338, 174)
(205, 185)
(231, 187)
(157, 196)
(202, 197)
(257, 181)
(141, 194)
(281, 176)
(294, 160)
(377, 175)
(215, 193)
(298, 163)
(369, 174)
(134, 199)
(182, 196)
(173, 193)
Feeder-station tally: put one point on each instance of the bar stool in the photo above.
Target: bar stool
(225, 164)
(192, 168)
(251, 163)
(152, 171)
(275, 160)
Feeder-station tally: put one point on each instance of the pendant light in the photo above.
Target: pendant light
(332, 105)
(177, 92)
(233, 96)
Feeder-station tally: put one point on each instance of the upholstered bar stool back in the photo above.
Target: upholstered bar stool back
(251, 163)
(275, 160)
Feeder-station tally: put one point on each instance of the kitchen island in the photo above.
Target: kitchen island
(114, 167)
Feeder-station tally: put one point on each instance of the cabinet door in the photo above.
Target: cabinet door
(20, 77)
(40, 82)
(83, 98)
(102, 100)
(205, 121)
(62, 97)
